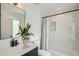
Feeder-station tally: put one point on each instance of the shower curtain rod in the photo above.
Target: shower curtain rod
(61, 13)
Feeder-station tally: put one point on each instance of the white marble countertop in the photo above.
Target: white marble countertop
(17, 50)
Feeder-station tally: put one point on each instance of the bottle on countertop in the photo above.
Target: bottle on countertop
(12, 41)
(16, 42)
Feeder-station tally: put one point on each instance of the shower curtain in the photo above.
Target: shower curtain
(48, 28)
(43, 44)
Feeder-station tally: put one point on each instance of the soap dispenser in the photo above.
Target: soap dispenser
(12, 42)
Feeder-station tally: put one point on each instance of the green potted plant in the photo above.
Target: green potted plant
(24, 32)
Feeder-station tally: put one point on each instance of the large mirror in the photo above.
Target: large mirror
(11, 18)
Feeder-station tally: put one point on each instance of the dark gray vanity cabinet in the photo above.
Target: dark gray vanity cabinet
(33, 52)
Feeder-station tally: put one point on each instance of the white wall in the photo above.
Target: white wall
(77, 30)
(33, 17)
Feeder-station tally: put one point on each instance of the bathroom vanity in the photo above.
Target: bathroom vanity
(31, 50)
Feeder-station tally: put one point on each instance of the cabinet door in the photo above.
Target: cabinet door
(33, 52)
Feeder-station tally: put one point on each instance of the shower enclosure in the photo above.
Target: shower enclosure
(60, 33)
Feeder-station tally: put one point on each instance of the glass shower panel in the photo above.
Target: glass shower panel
(61, 33)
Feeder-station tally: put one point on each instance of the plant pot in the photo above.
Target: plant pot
(26, 42)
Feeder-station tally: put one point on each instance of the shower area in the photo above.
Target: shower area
(60, 33)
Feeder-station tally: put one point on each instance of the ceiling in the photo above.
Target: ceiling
(52, 8)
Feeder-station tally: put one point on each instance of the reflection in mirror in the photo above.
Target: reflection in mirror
(16, 24)
(11, 18)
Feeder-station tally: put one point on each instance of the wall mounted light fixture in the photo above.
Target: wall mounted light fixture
(19, 5)
(15, 4)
